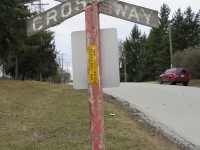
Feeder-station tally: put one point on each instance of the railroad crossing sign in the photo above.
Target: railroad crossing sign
(130, 12)
(69, 8)
(56, 15)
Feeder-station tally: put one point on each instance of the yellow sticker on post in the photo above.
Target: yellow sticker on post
(93, 64)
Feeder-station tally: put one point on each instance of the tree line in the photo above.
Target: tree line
(145, 57)
(21, 57)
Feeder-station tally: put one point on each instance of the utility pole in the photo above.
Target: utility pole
(170, 42)
(125, 74)
(68, 73)
(67, 67)
(62, 71)
(40, 4)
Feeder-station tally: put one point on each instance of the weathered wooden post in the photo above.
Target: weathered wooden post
(95, 77)
(92, 8)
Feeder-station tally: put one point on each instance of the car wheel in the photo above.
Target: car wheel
(160, 81)
(185, 83)
(170, 81)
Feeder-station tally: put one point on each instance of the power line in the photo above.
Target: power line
(40, 4)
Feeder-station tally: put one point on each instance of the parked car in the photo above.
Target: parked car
(175, 75)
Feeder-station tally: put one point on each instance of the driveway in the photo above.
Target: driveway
(173, 109)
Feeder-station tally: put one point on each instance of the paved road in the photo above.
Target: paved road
(176, 108)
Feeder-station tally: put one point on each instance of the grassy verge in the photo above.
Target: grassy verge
(35, 115)
(195, 83)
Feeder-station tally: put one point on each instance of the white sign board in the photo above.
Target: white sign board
(110, 59)
(56, 15)
(130, 12)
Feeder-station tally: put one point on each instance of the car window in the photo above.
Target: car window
(181, 71)
(166, 72)
(171, 71)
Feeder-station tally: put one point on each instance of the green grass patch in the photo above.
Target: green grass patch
(42, 116)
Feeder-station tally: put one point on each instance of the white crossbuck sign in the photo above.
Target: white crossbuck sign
(70, 8)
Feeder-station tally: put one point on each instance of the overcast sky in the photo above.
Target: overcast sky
(77, 23)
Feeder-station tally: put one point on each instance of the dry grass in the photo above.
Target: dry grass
(130, 133)
(195, 83)
(35, 115)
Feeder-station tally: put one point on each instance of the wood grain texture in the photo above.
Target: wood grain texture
(130, 12)
(56, 15)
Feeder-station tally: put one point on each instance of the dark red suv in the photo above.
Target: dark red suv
(175, 75)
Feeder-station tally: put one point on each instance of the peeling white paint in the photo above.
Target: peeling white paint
(37, 21)
(51, 17)
(69, 6)
(130, 12)
(119, 8)
(134, 14)
(147, 16)
(83, 3)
